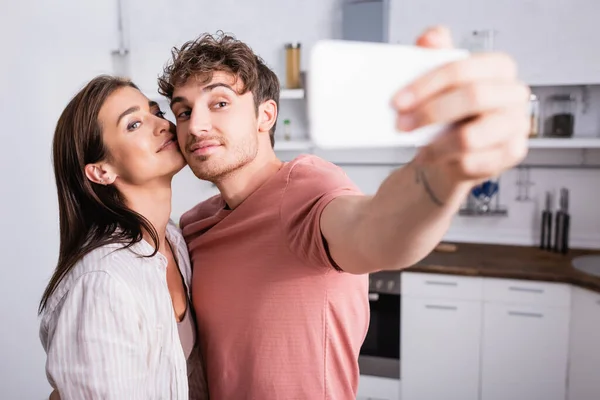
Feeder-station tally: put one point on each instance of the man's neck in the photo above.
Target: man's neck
(154, 203)
(239, 185)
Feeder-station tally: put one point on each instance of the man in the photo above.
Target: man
(280, 257)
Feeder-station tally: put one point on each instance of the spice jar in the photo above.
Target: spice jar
(560, 110)
(534, 114)
(292, 58)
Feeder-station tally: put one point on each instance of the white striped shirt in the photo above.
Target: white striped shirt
(109, 329)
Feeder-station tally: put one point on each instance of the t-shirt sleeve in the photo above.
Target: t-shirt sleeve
(311, 185)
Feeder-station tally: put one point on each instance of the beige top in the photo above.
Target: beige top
(187, 332)
(109, 330)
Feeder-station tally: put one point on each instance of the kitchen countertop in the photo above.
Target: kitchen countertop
(510, 262)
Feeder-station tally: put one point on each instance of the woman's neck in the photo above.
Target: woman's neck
(154, 204)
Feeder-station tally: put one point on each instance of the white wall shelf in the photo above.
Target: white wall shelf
(564, 143)
(291, 94)
(539, 143)
(292, 145)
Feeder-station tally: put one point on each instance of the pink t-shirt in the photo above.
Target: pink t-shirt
(276, 319)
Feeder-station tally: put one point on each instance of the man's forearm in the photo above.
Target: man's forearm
(408, 216)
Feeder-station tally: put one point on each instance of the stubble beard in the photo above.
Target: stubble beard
(215, 168)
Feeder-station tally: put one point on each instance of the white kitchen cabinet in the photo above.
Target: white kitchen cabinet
(584, 363)
(524, 352)
(440, 353)
(555, 42)
(376, 388)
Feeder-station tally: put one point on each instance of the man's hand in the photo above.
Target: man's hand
(486, 109)
(483, 102)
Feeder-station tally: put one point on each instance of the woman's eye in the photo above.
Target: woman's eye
(133, 125)
(221, 104)
(160, 114)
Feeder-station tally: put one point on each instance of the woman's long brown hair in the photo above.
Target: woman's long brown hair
(91, 215)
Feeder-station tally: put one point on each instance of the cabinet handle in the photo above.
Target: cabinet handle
(524, 289)
(525, 314)
(437, 307)
(441, 283)
(373, 296)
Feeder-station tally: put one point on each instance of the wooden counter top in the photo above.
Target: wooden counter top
(511, 262)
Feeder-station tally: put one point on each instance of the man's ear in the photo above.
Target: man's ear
(100, 173)
(267, 115)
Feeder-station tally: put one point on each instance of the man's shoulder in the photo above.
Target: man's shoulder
(204, 209)
(314, 174)
(310, 164)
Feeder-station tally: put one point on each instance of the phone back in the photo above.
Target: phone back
(350, 90)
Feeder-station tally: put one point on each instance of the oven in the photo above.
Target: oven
(380, 352)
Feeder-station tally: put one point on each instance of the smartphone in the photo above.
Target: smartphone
(350, 90)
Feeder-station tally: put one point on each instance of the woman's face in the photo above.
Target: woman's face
(141, 143)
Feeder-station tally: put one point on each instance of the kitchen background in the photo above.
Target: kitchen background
(50, 49)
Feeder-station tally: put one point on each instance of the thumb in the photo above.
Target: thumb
(437, 37)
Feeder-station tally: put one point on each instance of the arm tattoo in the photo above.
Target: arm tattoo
(422, 178)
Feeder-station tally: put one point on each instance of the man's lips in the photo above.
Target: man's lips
(204, 144)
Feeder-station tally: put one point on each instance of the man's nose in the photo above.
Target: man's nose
(200, 122)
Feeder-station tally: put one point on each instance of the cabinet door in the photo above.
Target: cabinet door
(524, 353)
(554, 41)
(376, 388)
(440, 349)
(584, 362)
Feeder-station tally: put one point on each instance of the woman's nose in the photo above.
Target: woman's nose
(163, 125)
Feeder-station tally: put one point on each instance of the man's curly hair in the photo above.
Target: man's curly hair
(201, 57)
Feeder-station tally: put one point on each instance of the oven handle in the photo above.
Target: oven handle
(373, 296)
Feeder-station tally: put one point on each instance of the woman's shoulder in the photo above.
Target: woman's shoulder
(100, 261)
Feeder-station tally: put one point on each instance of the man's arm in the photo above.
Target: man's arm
(414, 206)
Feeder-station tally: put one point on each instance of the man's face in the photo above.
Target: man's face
(217, 129)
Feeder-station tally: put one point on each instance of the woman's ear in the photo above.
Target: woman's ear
(267, 115)
(100, 173)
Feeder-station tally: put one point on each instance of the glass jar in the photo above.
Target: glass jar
(560, 115)
(292, 61)
(534, 114)
(287, 130)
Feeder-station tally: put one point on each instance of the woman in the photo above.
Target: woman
(116, 316)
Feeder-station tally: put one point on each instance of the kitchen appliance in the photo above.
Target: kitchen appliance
(380, 352)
